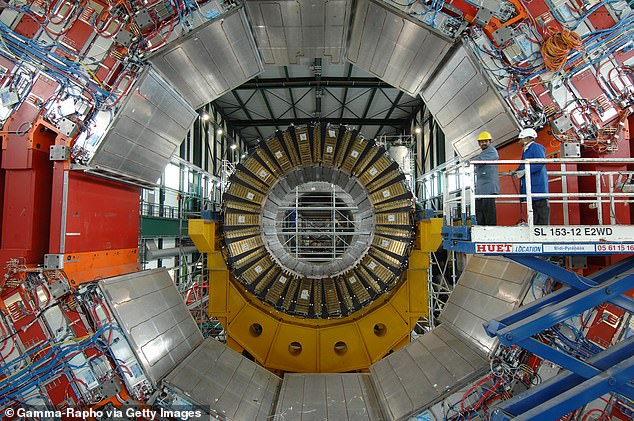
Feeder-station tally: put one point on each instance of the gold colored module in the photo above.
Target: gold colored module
(319, 267)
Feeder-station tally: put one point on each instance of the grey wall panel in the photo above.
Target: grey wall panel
(437, 364)
(463, 102)
(394, 48)
(453, 354)
(220, 380)
(211, 60)
(151, 123)
(488, 287)
(288, 31)
(327, 397)
(154, 319)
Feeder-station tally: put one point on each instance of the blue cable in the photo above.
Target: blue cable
(47, 366)
(592, 9)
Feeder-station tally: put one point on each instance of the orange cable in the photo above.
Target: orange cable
(555, 49)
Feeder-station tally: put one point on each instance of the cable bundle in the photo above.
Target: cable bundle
(556, 48)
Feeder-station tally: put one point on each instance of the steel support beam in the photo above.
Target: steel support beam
(367, 106)
(390, 111)
(345, 92)
(290, 92)
(345, 121)
(611, 271)
(562, 359)
(556, 313)
(608, 381)
(268, 106)
(584, 380)
(538, 395)
(305, 82)
(571, 279)
(246, 111)
(493, 326)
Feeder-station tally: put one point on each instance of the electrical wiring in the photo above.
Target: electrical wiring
(193, 6)
(163, 40)
(555, 48)
(409, 3)
(478, 392)
(76, 392)
(591, 11)
(37, 55)
(627, 87)
(102, 31)
(603, 416)
(45, 362)
(584, 321)
(64, 18)
(580, 340)
(609, 39)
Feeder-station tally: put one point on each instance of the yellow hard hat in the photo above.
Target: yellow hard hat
(485, 136)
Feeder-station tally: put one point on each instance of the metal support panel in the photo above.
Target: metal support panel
(528, 309)
(462, 100)
(224, 384)
(488, 286)
(448, 357)
(328, 397)
(212, 59)
(395, 48)
(425, 371)
(149, 126)
(291, 30)
(153, 318)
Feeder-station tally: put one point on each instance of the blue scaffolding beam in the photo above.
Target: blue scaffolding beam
(563, 394)
(582, 381)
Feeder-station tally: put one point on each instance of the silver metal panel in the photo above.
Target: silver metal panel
(488, 287)
(211, 60)
(154, 319)
(394, 48)
(451, 355)
(327, 397)
(464, 104)
(435, 365)
(149, 126)
(288, 31)
(220, 380)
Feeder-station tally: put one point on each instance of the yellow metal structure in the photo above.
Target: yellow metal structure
(286, 343)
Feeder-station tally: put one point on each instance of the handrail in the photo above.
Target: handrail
(158, 210)
(458, 189)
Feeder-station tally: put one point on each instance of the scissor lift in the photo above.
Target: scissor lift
(580, 381)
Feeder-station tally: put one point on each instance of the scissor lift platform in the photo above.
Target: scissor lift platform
(540, 239)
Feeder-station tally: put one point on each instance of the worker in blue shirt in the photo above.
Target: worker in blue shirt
(539, 176)
(487, 181)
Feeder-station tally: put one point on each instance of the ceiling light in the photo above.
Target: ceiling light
(418, 130)
(219, 132)
(205, 116)
(233, 146)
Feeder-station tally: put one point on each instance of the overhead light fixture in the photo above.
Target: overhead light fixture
(233, 146)
(243, 156)
(205, 116)
(219, 132)
(418, 130)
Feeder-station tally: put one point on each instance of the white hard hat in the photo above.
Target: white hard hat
(527, 133)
